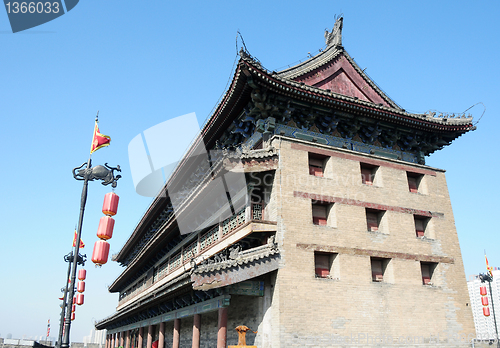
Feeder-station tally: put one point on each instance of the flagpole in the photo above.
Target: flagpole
(489, 278)
(87, 175)
(83, 201)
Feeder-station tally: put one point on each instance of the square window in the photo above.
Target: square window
(414, 181)
(325, 264)
(317, 165)
(427, 269)
(421, 223)
(368, 173)
(374, 219)
(323, 215)
(319, 214)
(379, 266)
(321, 265)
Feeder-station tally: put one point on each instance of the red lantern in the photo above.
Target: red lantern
(105, 229)
(82, 274)
(110, 206)
(81, 286)
(79, 299)
(74, 300)
(484, 300)
(486, 311)
(101, 251)
(73, 308)
(482, 290)
(73, 316)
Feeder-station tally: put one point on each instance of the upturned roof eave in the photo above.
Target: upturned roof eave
(318, 94)
(155, 204)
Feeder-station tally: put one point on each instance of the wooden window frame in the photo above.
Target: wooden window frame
(421, 223)
(368, 170)
(317, 218)
(414, 180)
(317, 164)
(371, 215)
(324, 264)
(427, 271)
(378, 267)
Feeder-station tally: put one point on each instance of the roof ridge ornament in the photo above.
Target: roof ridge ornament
(244, 53)
(334, 38)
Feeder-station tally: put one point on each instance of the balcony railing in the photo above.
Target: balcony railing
(205, 241)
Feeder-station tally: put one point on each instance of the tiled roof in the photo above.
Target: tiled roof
(299, 88)
(243, 258)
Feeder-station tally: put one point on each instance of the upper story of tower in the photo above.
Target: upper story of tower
(326, 100)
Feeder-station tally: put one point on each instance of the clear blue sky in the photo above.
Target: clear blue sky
(143, 62)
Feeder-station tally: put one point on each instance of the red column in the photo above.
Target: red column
(222, 328)
(161, 335)
(113, 336)
(196, 330)
(149, 343)
(141, 334)
(121, 338)
(127, 339)
(177, 333)
(107, 341)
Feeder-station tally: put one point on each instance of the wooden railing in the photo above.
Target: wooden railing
(202, 243)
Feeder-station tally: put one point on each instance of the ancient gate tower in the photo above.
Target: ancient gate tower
(340, 233)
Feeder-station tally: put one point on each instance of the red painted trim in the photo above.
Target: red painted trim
(374, 253)
(376, 206)
(362, 159)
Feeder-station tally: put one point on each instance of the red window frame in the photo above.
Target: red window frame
(377, 270)
(320, 214)
(427, 268)
(316, 166)
(372, 221)
(419, 227)
(413, 181)
(322, 265)
(367, 173)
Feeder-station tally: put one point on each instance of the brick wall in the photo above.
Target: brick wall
(353, 304)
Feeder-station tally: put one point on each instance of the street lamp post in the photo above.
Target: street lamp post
(69, 259)
(488, 278)
(89, 173)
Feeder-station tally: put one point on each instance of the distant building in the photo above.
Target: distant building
(96, 336)
(485, 326)
(344, 235)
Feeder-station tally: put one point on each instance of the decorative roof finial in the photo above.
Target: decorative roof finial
(334, 38)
